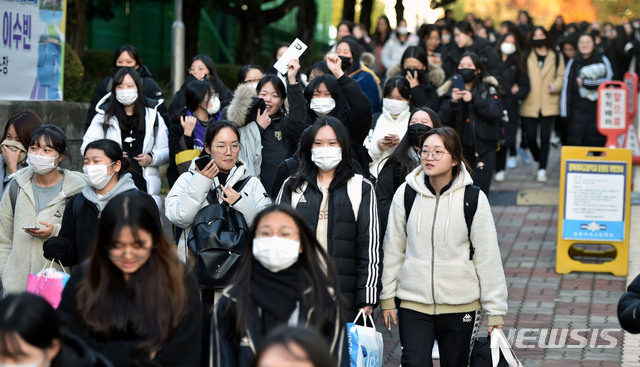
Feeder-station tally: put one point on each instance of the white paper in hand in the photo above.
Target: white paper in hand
(294, 51)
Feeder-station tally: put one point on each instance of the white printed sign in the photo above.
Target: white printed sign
(294, 51)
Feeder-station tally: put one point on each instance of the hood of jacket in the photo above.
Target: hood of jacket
(446, 86)
(125, 183)
(241, 105)
(72, 184)
(237, 173)
(103, 103)
(416, 180)
(144, 71)
(435, 73)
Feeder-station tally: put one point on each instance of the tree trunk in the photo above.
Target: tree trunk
(349, 10)
(306, 19)
(191, 19)
(249, 44)
(365, 14)
(77, 25)
(399, 11)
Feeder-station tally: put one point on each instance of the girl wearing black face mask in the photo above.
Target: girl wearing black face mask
(423, 77)
(349, 53)
(403, 160)
(476, 113)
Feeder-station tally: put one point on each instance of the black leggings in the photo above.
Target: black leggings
(540, 151)
(483, 166)
(455, 333)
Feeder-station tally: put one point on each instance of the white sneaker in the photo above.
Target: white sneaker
(511, 162)
(542, 175)
(500, 176)
(435, 352)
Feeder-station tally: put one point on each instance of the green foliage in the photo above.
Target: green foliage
(228, 73)
(97, 64)
(73, 74)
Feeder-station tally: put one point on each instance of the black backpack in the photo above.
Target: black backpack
(471, 193)
(218, 237)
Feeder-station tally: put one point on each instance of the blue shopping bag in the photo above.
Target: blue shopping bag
(365, 343)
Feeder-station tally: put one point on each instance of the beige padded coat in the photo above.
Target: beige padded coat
(539, 98)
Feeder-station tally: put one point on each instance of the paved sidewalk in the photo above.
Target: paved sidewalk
(540, 299)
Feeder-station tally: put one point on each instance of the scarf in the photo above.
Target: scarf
(16, 145)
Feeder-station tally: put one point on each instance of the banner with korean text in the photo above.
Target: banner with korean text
(32, 49)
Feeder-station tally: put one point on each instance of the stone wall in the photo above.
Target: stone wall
(71, 117)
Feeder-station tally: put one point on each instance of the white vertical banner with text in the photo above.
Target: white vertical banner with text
(32, 49)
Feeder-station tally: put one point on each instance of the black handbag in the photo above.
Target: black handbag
(218, 238)
(481, 354)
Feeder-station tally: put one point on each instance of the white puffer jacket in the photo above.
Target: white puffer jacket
(189, 194)
(157, 144)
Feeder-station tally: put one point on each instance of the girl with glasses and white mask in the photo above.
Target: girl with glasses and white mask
(340, 206)
(128, 118)
(134, 301)
(41, 193)
(106, 172)
(285, 278)
(429, 266)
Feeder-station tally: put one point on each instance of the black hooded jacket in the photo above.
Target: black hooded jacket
(480, 47)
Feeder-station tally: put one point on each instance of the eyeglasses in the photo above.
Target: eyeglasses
(138, 252)
(223, 148)
(201, 68)
(251, 81)
(436, 154)
(285, 233)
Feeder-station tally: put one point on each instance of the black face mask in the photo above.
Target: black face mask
(346, 63)
(468, 75)
(539, 43)
(415, 132)
(419, 73)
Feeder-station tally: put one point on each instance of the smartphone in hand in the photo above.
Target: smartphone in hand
(458, 82)
(203, 161)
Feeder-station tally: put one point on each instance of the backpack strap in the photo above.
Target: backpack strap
(471, 193)
(354, 190)
(13, 193)
(409, 198)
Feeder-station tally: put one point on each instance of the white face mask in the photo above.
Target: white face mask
(41, 164)
(276, 253)
(214, 106)
(322, 106)
(508, 48)
(29, 364)
(253, 85)
(326, 158)
(127, 96)
(394, 106)
(97, 176)
(402, 30)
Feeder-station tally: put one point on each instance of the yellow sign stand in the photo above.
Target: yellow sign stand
(595, 209)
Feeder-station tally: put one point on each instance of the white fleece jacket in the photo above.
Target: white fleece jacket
(384, 126)
(189, 194)
(20, 253)
(426, 258)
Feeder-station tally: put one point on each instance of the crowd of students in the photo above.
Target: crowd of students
(373, 151)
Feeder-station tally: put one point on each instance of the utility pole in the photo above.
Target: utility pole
(177, 47)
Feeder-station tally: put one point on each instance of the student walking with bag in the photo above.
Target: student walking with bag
(340, 207)
(445, 275)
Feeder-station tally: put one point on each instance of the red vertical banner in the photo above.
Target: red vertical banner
(612, 111)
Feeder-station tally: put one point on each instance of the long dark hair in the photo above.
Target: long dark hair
(519, 55)
(131, 50)
(195, 93)
(213, 78)
(113, 151)
(482, 71)
(307, 167)
(116, 109)
(547, 42)
(154, 299)
(30, 318)
(378, 37)
(309, 340)
(242, 73)
(356, 53)
(24, 122)
(342, 111)
(319, 279)
(452, 144)
(400, 153)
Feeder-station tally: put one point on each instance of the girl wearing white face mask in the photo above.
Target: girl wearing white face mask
(186, 133)
(389, 127)
(105, 170)
(31, 336)
(329, 192)
(339, 96)
(125, 116)
(514, 87)
(34, 211)
(280, 282)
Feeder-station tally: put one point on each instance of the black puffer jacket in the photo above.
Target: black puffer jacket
(74, 352)
(629, 308)
(150, 89)
(353, 246)
(480, 47)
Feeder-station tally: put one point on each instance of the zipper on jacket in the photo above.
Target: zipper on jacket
(433, 253)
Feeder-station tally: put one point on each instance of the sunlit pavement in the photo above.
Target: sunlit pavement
(526, 215)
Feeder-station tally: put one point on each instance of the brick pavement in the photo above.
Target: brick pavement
(539, 299)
